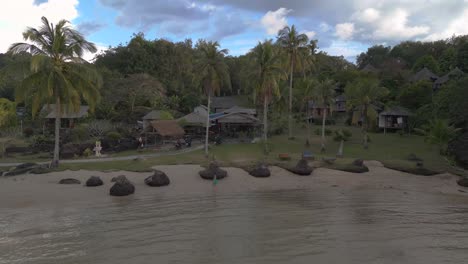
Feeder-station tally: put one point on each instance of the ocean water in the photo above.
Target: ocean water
(293, 226)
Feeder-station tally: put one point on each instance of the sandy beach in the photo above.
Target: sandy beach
(34, 190)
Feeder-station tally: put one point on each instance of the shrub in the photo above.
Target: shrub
(98, 128)
(42, 143)
(28, 132)
(87, 152)
(328, 132)
(113, 136)
(79, 134)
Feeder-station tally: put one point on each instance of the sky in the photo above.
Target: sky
(342, 28)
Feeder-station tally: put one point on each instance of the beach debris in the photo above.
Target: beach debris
(260, 171)
(94, 181)
(284, 156)
(122, 187)
(158, 179)
(69, 181)
(463, 182)
(302, 168)
(213, 171)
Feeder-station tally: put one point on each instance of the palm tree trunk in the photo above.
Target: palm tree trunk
(55, 160)
(290, 100)
(207, 124)
(308, 124)
(324, 118)
(265, 124)
(365, 127)
(340, 150)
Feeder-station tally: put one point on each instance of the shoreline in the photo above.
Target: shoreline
(31, 190)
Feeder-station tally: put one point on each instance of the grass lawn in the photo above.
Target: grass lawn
(389, 147)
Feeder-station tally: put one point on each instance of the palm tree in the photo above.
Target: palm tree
(361, 94)
(292, 42)
(324, 95)
(213, 73)
(58, 72)
(305, 91)
(341, 136)
(439, 132)
(267, 75)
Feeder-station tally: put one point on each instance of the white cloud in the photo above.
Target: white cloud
(343, 48)
(367, 15)
(395, 26)
(91, 56)
(16, 16)
(458, 26)
(309, 34)
(344, 31)
(324, 27)
(273, 21)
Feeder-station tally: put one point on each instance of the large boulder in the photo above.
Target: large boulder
(463, 182)
(122, 187)
(158, 179)
(260, 171)
(302, 168)
(212, 171)
(69, 181)
(118, 178)
(94, 181)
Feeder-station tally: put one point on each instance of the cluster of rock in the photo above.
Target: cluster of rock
(260, 171)
(302, 168)
(158, 179)
(122, 186)
(213, 171)
(26, 168)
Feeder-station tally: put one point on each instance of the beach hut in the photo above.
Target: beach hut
(340, 103)
(316, 111)
(241, 110)
(163, 131)
(395, 118)
(236, 122)
(68, 116)
(154, 116)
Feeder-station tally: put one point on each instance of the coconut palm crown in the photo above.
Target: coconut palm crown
(58, 73)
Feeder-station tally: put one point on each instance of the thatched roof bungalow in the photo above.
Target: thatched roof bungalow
(394, 118)
(67, 115)
(369, 69)
(167, 129)
(453, 74)
(424, 75)
(155, 115)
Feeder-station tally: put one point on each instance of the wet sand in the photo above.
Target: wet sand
(32, 190)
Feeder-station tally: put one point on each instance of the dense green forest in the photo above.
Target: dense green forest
(146, 74)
